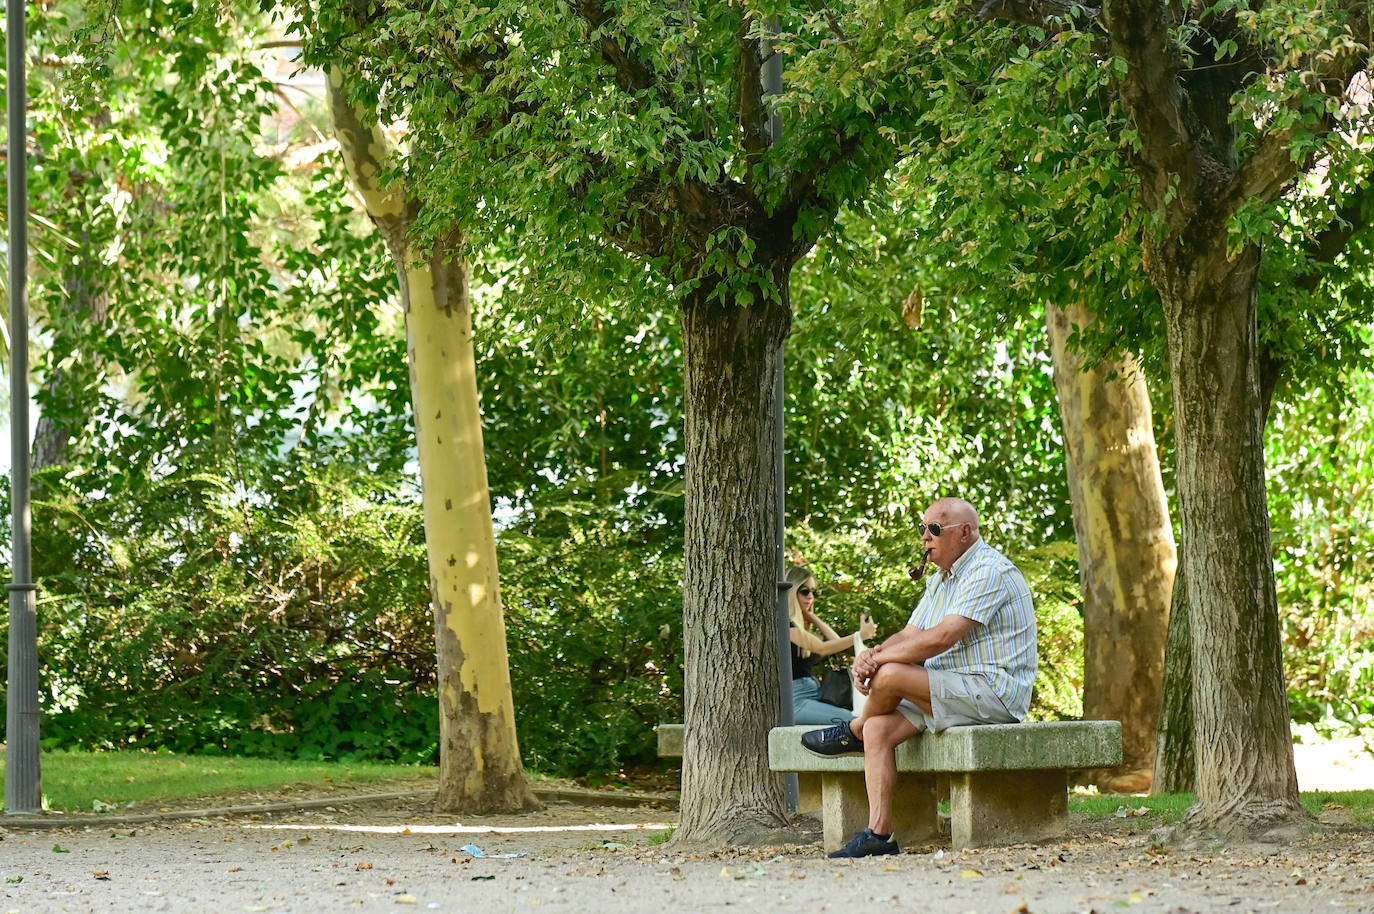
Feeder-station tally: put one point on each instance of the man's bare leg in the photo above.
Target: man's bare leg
(880, 766)
(882, 728)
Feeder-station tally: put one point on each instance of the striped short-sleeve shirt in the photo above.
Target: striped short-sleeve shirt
(983, 585)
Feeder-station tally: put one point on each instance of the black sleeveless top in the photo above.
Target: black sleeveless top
(802, 666)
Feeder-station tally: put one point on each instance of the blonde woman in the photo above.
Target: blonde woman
(812, 638)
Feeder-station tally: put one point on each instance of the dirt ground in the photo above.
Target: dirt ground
(394, 854)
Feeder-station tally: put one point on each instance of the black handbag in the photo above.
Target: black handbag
(836, 689)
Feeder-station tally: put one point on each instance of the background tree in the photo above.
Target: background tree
(1227, 107)
(479, 758)
(1126, 547)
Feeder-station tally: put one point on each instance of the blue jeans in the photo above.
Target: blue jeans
(807, 707)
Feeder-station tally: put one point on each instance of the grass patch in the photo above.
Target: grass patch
(148, 781)
(1160, 810)
(1358, 805)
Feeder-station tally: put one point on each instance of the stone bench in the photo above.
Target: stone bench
(808, 784)
(1007, 782)
(669, 740)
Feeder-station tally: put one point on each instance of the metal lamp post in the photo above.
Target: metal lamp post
(23, 783)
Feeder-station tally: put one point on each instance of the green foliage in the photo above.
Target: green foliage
(1321, 494)
(224, 378)
(625, 147)
(295, 627)
(594, 621)
(884, 418)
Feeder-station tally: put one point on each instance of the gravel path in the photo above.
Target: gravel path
(394, 855)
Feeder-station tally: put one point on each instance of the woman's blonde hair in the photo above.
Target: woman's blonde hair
(797, 575)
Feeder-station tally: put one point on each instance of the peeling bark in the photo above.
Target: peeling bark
(1125, 543)
(480, 769)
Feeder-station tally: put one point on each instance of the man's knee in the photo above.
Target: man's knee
(886, 731)
(885, 680)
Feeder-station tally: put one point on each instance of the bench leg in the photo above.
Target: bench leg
(844, 808)
(1006, 807)
(915, 814)
(808, 791)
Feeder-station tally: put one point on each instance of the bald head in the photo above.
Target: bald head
(957, 522)
(954, 511)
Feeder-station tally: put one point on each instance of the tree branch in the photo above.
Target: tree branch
(1269, 168)
(1051, 15)
(632, 73)
(753, 111)
(1140, 34)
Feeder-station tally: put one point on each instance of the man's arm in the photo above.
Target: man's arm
(914, 645)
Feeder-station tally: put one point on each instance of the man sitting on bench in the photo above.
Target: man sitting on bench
(966, 656)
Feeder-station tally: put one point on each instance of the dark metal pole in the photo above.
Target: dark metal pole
(772, 86)
(23, 783)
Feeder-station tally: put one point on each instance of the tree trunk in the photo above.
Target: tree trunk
(89, 305)
(1126, 550)
(730, 590)
(480, 770)
(1246, 782)
(1175, 762)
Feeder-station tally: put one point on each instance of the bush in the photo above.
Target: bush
(204, 621)
(594, 626)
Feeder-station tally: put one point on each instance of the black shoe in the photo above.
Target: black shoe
(835, 740)
(866, 844)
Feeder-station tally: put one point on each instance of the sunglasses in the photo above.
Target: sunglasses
(937, 529)
(807, 591)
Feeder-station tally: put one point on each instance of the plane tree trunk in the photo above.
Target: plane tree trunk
(480, 769)
(1126, 555)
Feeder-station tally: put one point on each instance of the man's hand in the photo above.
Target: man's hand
(865, 665)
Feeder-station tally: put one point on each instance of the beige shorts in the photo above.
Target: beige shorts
(957, 700)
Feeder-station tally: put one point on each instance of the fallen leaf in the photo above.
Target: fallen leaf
(407, 899)
(364, 865)
(971, 873)
(59, 849)
(100, 872)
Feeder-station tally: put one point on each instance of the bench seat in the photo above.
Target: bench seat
(1008, 782)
